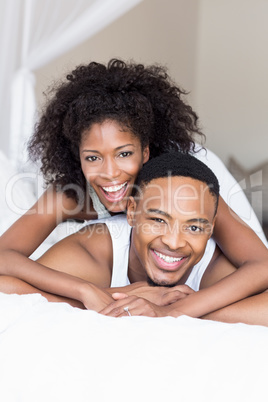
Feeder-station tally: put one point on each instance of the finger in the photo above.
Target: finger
(141, 307)
(123, 309)
(118, 312)
(183, 288)
(172, 297)
(107, 310)
(112, 312)
(117, 307)
(119, 296)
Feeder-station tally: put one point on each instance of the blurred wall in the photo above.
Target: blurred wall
(231, 92)
(163, 31)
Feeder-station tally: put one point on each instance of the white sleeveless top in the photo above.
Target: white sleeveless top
(120, 234)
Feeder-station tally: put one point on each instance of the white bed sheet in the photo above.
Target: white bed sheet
(54, 352)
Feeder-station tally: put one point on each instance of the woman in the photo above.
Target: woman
(100, 126)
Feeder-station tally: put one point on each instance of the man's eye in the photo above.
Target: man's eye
(158, 220)
(194, 228)
(125, 154)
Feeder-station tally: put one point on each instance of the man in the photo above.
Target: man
(172, 216)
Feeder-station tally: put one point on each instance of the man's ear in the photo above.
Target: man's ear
(146, 154)
(131, 209)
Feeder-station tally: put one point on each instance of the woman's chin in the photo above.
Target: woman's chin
(115, 209)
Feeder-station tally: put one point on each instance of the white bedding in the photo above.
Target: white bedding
(54, 352)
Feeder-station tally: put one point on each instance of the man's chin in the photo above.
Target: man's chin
(155, 282)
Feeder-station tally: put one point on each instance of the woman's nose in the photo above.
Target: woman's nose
(111, 169)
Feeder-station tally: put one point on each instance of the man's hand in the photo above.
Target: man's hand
(159, 295)
(133, 306)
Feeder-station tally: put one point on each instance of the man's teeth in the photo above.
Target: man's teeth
(113, 189)
(167, 258)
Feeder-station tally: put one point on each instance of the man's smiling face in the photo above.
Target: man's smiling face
(172, 221)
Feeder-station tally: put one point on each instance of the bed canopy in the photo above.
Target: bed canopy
(33, 33)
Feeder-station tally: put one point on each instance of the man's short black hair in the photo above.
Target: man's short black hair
(178, 164)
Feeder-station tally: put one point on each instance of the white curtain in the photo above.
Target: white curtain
(33, 33)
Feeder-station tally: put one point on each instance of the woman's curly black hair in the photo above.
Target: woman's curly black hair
(142, 99)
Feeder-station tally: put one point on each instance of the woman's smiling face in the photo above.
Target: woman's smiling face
(111, 157)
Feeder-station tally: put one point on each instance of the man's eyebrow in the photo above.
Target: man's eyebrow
(116, 149)
(198, 220)
(158, 212)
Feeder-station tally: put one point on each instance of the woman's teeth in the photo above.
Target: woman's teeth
(113, 189)
(167, 258)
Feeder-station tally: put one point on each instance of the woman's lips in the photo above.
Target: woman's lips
(167, 262)
(114, 193)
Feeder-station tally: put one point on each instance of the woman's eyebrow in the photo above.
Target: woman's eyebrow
(90, 150)
(116, 149)
(123, 146)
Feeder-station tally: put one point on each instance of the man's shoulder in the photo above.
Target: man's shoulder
(115, 226)
(102, 233)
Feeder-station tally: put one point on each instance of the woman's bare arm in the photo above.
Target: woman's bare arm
(29, 231)
(26, 234)
(252, 310)
(236, 239)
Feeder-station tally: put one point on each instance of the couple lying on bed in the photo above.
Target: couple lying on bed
(163, 248)
(101, 127)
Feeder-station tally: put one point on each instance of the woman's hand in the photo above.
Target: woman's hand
(95, 298)
(132, 305)
(159, 295)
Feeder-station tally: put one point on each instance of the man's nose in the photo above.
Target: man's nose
(174, 239)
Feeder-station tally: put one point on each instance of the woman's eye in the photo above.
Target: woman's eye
(91, 158)
(125, 154)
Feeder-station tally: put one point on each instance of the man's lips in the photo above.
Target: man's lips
(167, 262)
(114, 193)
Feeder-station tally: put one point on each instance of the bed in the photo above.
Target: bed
(55, 352)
